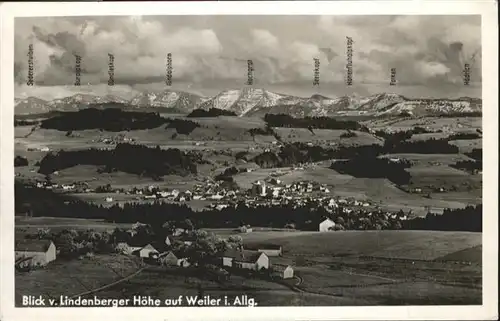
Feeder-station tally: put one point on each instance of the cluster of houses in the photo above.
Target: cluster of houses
(120, 138)
(254, 258)
(275, 188)
(37, 253)
(77, 187)
(38, 149)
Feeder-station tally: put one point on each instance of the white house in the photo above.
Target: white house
(326, 225)
(147, 251)
(252, 261)
(39, 252)
(282, 271)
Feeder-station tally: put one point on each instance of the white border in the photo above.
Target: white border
(487, 9)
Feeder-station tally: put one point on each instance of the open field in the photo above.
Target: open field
(31, 224)
(467, 145)
(161, 284)
(433, 123)
(74, 277)
(318, 136)
(414, 245)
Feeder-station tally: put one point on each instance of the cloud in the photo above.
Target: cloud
(214, 49)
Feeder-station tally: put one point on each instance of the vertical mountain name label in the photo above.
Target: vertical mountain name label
(31, 77)
(111, 69)
(316, 72)
(168, 77)
(78, 70)
(250, 71)
(349, 52)
(466, 74)
(393, 77)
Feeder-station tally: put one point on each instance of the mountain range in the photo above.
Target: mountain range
(257, 102)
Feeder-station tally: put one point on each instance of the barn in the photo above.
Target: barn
(168, 258)
(268, 249)
(252, 260)
(326, 225)
(40, 252)
(282, 271)
(226, 258)
(148, 251)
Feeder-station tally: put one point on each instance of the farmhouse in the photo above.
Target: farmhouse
(268, 249)
(170, 259)
(326, 225)
(147, 251)
(40, 252)
(282, 271)
(226, 258)
(252, 261)
(245, 229)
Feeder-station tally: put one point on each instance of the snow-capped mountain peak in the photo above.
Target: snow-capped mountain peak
(167, 99)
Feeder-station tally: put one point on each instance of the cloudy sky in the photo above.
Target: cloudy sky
(209, 54)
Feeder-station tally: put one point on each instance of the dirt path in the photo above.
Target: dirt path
(108, 285)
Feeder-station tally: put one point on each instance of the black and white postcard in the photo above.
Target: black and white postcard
(249, 161)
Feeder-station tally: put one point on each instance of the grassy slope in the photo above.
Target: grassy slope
(419, 245)
(73, 277)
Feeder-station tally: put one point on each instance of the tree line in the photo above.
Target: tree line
(182, 126)
(469, 219)
(20, 161)
(469, 166)
(464, 136)
(298, 152)
(108, 119)
(129, 158)
(374, 168)
(320, 122)
(21, 122)
(212, 112)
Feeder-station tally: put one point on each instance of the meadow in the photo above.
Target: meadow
(74, 277)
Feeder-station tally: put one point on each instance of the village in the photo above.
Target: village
(262, 193)
(180, 249)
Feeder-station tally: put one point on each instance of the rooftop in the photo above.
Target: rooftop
(267, 246)
(32, 245)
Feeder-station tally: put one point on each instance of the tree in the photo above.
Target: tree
(168, 227)
(43, 233)
(20, 161)
(65, 242)
(235, 242)
(188, 225)
(205, 246)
